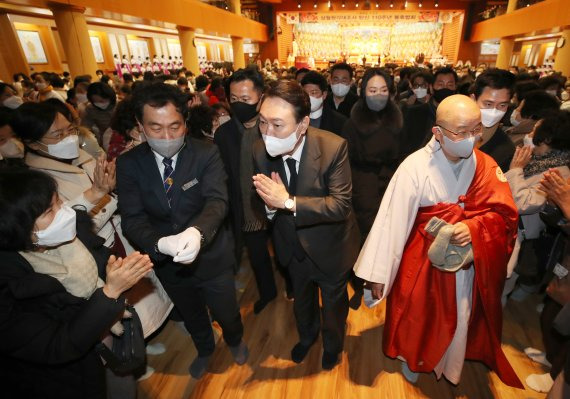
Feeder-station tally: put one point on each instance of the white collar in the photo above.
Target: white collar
(298, 152)
(160, 158)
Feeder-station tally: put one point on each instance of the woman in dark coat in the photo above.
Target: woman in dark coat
(47, 335)
(373, 134)
(373, 145)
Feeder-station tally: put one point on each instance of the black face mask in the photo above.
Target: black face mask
(243, 111)
(442, 94)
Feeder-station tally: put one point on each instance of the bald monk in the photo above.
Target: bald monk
(436, 319)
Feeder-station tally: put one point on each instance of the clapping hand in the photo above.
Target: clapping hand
(521, 157)
(557, 190)
(123, 273)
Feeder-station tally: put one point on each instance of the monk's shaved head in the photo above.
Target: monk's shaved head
(457, 118)
(457, 111)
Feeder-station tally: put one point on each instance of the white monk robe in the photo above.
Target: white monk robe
(425, 178)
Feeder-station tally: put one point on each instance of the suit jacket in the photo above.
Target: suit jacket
(501, 148)
(324, 223)
(345, 106)
(199, 198)
(228, 140)
(332, 121)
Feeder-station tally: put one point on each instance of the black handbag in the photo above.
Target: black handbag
(128, 354)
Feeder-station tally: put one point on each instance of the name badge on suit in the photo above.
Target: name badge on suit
(190, 184)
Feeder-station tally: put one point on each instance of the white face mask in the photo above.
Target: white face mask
(102, 105)
(528, 142)
(13, 102)
(491, 116)
(462, 148)
(81, 98)
(41, 86)
(276, 146)
(13, 148)
(420, 92)
(565, 96)
(340, 89)
(397, 79)
(514, 120)
(223, 119)
(316, 107)
(68, 148)
(316, 103)
(165, 147)
(61, 229)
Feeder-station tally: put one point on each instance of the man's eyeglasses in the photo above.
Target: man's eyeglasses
(469, 133)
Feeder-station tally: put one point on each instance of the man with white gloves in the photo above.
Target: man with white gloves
(173, 201)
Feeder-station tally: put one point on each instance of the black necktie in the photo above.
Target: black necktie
(167, 178)
(292, 164)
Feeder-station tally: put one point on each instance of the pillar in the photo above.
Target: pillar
(562, 60)
(239, 57)
(189, 51)
(236, 6)
(506, 45)
(12, 54)
(511, 6)
(72, 29)
(505, 52)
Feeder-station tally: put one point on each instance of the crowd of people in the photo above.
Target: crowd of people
(444, 190)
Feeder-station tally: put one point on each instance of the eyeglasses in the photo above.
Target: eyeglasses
(469, 133)
(62, 133)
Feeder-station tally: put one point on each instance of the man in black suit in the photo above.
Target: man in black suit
(305, 182)
(322, 116)
(493, 91)
(342, 99)
(235, 140)
(420, 118)
(173, 201)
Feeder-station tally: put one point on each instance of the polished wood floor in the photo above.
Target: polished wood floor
(363, 373)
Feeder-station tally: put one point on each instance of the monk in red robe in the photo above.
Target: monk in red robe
(436, 319)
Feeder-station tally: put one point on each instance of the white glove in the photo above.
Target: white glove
(168, 245)
(188, 246)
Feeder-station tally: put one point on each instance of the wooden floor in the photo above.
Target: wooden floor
(363, 373)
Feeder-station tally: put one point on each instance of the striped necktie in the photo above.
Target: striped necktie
(167, 178)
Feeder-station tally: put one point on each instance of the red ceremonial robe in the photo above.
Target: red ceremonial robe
(421, 309)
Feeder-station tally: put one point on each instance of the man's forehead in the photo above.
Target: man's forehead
(166, 111)
(276, 108)
(445, 76)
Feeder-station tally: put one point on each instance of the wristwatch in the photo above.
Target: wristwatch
(289, 203)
